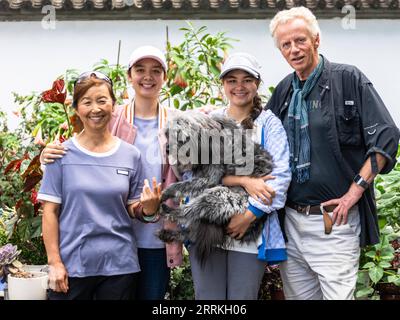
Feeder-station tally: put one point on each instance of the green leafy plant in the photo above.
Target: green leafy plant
(270, 284)
(379, 264)
(181, 283)
(44, 117)
(388, 196)
(194, 67)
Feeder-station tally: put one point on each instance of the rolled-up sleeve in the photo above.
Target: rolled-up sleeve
(380, 133)
(276, 143)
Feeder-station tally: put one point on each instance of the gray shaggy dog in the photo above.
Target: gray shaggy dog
(210, 147)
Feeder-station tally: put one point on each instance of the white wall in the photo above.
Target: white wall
(31, 57)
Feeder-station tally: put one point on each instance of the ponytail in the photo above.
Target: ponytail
(248, 123)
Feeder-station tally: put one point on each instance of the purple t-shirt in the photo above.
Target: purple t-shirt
(95, 229)
(147, 143)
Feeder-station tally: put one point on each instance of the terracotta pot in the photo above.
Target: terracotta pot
(388, 291)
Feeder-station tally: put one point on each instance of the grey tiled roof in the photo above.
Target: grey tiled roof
(203, 8)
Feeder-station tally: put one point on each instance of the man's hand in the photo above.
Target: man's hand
(58, 277)
(258, 189)
(150, 199)
(52, 151)
(239, 224)
(344, 204)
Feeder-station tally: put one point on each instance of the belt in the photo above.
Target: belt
(309, 209)
(315, 210)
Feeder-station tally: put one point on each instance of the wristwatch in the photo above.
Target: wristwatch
(361, 182)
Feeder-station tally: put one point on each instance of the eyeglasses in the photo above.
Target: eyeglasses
(88, 74)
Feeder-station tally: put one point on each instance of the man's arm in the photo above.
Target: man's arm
(354, 194)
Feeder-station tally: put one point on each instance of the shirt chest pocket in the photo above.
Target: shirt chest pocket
(348, 123)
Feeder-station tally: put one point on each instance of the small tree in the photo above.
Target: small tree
(194, 67)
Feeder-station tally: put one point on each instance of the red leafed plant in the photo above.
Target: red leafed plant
(44, 117)
(56, 93)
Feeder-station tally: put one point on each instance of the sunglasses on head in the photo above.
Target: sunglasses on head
(88, 74)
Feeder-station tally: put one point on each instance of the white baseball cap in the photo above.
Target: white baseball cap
(150, 52)
(242, 61)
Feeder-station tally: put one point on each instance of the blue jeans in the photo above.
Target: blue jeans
(154, 275)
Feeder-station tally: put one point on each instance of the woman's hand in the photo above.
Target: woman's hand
(239, 224)
(150, 199)
(58, 277)
(52, 151)
(258, 189)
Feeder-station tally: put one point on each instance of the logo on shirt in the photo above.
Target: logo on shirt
(314, 105)
(123, 172)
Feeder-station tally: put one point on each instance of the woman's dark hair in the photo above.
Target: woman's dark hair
(83, 86)
(248, 123)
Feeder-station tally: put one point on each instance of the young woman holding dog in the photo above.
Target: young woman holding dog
(236, 272)
(139, 123)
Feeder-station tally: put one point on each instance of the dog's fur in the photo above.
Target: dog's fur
(211, 205)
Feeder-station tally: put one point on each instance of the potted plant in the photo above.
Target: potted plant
(271, 286)
(379, 275)
(180, 286)
(21, 284)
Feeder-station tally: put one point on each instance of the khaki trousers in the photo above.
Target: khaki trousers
(320, 266)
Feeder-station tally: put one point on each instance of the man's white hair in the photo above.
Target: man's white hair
(285, 16)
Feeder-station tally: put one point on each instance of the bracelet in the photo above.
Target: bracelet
(149, 218)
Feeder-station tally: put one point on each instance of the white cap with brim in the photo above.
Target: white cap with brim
(149, 52)
(241, 61)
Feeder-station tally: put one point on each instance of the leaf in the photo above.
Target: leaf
(17, 264)
(271, 89)
(364, 292)
(36, 224)
(31, 181)
(370, 254)
(34, 165)
(375, 274)
(24, 229)
(176, 103)
(368, 265)
(394, 279)
(382, 222)
(384, 264)
(175, 89)
(387, 257)
(13, 164)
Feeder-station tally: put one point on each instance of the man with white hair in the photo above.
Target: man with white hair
(340, 137)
